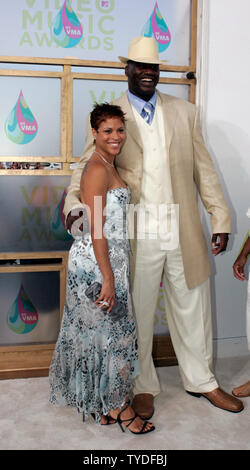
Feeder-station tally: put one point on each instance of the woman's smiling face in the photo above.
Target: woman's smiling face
(109, 136)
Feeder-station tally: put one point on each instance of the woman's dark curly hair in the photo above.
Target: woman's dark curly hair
(103, 111)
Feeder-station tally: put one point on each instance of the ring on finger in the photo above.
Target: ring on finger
(104, 303)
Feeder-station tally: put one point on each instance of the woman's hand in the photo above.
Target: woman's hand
(107, 295)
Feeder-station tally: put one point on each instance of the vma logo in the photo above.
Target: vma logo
(66, 29)
(157, 27)
(22, 316)
(55, 23)
(21, 126)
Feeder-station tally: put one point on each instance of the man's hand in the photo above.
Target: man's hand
(238, 267)
(72, 218)
(221, 245)
(241, 260)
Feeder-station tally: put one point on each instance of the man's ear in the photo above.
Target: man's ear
(126, 70)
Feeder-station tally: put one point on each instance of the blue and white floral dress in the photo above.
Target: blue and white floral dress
(95, 358)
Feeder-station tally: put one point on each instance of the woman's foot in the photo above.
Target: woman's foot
(133, 422)
(242, 390)
(105, 420)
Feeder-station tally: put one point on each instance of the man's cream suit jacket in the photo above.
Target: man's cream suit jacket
(190, 167)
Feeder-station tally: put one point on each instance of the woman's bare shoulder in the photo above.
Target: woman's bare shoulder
(94, 174)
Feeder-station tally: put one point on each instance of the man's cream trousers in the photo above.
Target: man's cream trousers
(188, 317)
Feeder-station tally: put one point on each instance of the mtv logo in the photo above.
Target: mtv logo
(104, 3)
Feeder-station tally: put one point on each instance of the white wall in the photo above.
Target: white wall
(224, 96)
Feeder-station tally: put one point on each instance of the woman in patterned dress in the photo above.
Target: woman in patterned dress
(95, 358)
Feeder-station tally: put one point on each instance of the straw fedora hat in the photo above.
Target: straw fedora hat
(143, 49)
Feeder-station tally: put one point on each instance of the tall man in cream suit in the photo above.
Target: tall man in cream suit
(162, 160)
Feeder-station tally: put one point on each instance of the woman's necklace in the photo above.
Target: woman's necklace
(104, 159)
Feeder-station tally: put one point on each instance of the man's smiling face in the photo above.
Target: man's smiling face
(142, 78)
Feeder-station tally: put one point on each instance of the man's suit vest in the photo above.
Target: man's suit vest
(156, 186)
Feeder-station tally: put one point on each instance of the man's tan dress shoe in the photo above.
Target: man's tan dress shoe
(221, 399)
(143, 405)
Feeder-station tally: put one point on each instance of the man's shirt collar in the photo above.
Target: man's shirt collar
(138, 103)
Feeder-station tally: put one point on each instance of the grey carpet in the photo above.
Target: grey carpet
(29, 422)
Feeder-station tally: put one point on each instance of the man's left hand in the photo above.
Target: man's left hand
(221, 244)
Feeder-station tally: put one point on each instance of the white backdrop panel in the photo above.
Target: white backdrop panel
(107, 25)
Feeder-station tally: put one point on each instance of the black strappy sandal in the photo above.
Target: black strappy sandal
(142, 430)
(108, 418)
